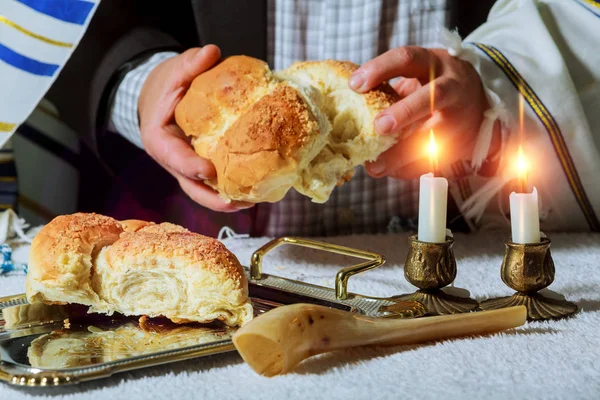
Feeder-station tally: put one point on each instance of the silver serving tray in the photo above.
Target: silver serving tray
(52, 345)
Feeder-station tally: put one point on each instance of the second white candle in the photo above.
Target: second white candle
(433, 202)
(524, 217)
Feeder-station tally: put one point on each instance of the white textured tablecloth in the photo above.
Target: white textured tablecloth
(545, 360)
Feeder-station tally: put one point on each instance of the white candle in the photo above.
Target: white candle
(433, 200)
(524, 217)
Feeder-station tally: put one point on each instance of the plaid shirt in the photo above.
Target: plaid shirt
(355, 30)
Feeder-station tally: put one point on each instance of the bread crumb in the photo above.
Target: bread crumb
(67, 324)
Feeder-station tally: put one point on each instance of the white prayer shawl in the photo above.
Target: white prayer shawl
(549, 51)
(37, 37)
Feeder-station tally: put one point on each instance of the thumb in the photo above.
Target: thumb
(195, 61)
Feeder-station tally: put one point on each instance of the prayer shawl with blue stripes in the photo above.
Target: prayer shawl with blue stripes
(37, 37)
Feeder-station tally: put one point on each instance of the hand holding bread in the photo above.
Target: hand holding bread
(163, 140)
(439, 91)
(308, 126)
(267, 132)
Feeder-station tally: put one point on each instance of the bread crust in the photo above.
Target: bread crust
(134, 225)
(137, 268)
(226, 90)
(163, 227)
(268, 140)
(61, 254)
(197, 250)
(378, 99)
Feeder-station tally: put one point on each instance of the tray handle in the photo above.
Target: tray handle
(341, 279)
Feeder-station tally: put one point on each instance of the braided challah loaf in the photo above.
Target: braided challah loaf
(267, 132)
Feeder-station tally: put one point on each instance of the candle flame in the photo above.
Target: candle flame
(521, 162)
(522, 169)
(433, 157)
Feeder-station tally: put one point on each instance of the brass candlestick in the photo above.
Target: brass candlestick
(430, 267)
(529, 268)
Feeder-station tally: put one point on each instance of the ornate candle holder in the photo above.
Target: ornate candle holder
(430, 267)
(529, 268)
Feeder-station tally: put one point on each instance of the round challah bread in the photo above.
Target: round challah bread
(136, 268)
(266, 132)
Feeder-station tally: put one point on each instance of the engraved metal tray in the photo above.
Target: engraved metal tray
(52, 345)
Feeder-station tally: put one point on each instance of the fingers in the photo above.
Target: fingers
(195, 61)
(402, 161)
(399, 156)
(409, 158)
(207, 197)
(163, 139)
(417, 105)
(406, 86)
(167, 83)
(407, 61)
(169, 148)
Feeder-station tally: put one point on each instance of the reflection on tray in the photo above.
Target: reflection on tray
(33, 314)
(66, 348)
(89, 339)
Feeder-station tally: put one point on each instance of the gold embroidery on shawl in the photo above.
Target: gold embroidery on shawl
(27, 32)
(551, 126)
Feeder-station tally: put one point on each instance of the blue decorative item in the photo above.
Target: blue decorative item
(7, 266)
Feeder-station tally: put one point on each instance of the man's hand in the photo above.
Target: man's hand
(163, 140)
(458, 104)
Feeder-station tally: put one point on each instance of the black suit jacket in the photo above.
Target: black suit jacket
(124, 32)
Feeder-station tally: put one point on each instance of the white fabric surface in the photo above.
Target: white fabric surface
(549, 360)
